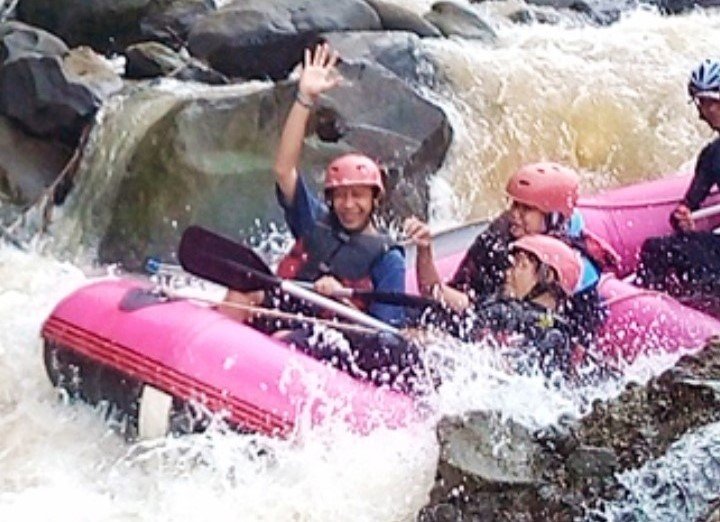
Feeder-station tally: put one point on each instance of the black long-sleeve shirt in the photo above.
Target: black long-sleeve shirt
(707, 174)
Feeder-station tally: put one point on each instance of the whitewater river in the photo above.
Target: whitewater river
(610, 101)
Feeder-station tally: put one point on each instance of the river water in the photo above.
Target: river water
(610, 101)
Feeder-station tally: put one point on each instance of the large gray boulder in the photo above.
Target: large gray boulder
(102, 24)
(259, 39)
(49, 90)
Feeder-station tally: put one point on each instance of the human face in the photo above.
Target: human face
(522, 276)
(525, 220)
(353, 205)
(709, 110)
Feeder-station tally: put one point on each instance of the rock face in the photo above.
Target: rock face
(49, 90)
(558, 474)
(208, 160)
(259, 39)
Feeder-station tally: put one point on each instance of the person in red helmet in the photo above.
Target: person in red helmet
(543, 197)
(337, 243)
(528, 314)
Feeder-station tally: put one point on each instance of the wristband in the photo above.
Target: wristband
(304, 100)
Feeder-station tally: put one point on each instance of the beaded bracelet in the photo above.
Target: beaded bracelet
(304, 100)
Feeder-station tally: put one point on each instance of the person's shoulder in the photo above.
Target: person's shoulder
(712, 149)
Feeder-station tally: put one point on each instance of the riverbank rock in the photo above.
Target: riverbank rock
(558, 473)
(258, 39)
(51, 91)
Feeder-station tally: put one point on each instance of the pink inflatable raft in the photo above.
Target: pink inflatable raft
(175, 355)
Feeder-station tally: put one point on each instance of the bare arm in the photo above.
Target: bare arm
(318, 75)
(428, 278)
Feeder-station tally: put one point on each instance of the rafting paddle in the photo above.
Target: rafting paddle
(223, 259)
(210, 256)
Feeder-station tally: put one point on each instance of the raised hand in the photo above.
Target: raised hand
(319, 73)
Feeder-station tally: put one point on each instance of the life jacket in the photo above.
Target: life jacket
(330, 250)
(545, 335)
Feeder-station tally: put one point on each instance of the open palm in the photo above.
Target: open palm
(319, 73)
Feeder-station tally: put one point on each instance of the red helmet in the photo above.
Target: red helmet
(549, 187)
(557, 255)
(353, 169)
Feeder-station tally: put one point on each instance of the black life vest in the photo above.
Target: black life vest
(331, 250)
(547, 339)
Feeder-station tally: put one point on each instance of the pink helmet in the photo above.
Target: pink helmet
(353, 169)
(557, 255)
(549, 187)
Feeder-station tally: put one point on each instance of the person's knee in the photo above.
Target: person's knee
(239, 305)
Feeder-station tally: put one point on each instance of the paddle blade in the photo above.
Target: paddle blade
(224, 261)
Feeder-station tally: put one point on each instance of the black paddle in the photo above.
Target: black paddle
(232, 264)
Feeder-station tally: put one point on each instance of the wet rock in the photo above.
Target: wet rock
(455, 20)
(399, 52)
(397, 18)
(575, 467)
(259, 39)
(490, 448)
(102, 24)
(49, 91)
(153, 59)
(171, 24)
(598, 12)
(528, 16)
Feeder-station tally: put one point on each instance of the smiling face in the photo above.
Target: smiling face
(525, 220)
(353, 205)
(709, 111)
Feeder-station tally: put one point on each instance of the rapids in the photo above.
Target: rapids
(610, 101)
